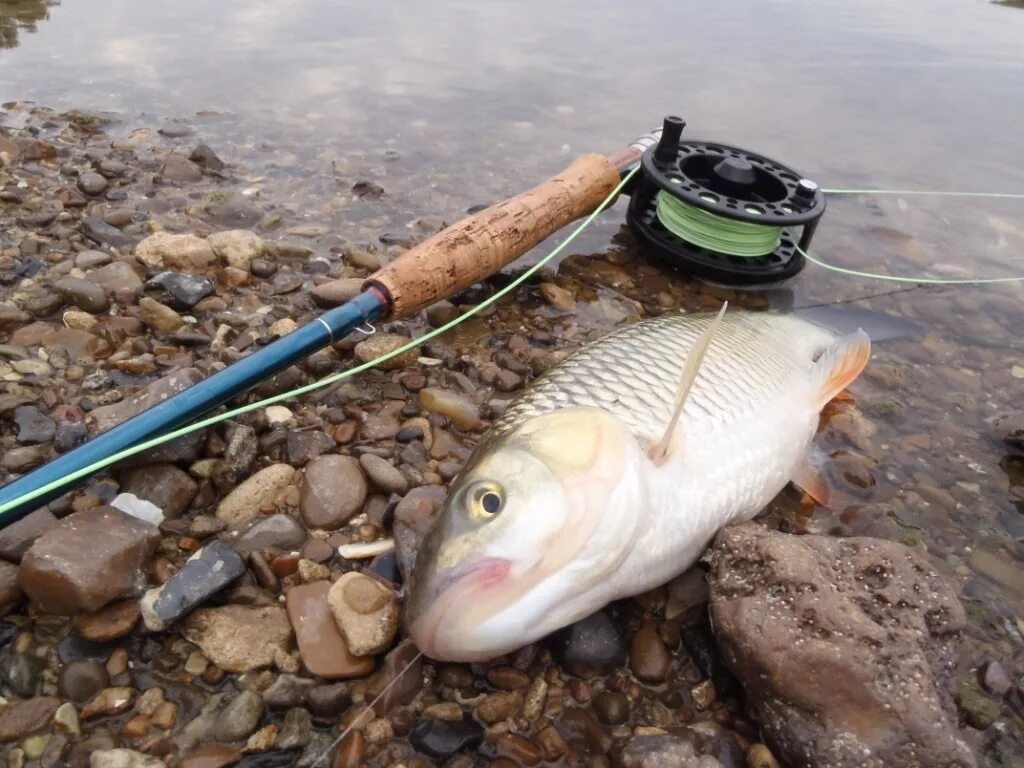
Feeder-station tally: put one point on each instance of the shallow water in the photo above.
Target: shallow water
(453, 104)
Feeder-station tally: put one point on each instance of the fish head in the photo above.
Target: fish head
(531, 532)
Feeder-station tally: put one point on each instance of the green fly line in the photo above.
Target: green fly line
(742, 239)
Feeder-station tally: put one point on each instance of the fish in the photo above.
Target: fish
(611, 474)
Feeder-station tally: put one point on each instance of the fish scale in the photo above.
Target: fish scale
(634, 372)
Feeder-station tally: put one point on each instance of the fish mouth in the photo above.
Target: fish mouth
(457, 603)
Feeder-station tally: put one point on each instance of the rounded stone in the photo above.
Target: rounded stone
(239, 719)
(611, 708)
(333, 490)
(81, 680)
(383, 474)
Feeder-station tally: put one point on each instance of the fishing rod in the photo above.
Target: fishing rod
(720, 213)
(441, 266)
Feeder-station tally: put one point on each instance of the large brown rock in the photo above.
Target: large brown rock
(321, 646)
(20, 718)
(844, 646)
(88, 560)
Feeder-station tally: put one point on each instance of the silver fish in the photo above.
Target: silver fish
(613, 471)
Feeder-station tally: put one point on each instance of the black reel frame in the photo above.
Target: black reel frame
(729, 182)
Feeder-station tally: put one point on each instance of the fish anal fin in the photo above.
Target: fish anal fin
(809, 477)
(840, 364)
(660, 451)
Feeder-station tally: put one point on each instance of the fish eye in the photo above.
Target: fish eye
(487, 501)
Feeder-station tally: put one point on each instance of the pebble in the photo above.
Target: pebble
(110, 622)
(445, 710)
(318, 551)
(495, 707)
(180, 253)
(995, 679)
(165, 485)
(205, 157)
(309, 571)
(462, 412)
(84, 294)
(19, 460)
(703, 695)
(239, 718)
(210, 756)
(10, 591)
(979, 710)
(350, 751)
(321, 646)
(237, 247)
(240, 638)
(107, 416)
(116, 277)
(183, 291)
(383, 474)
(281, 532)
(109, 701)
(33, 425)
(159, 317)
(519, 749)
(287, 691)
(66, 719)
(440, 739)
(179, 169)
(22, 673)
(337, 292)
(92, 183)
(507, 678)
(382, 343)
(648, 657)
(551, 743)
(302, 446)
(261, 490)
(611, 708)
(210, 570)
(329, 701)
(366, 613)
(61, 576)
(296, 730)
(399, 679)
(590, 646)
(99, 231)
(333, 490)
(759, 756)
(263, 740)
(557, 296)
(20, 718)
(79, 320)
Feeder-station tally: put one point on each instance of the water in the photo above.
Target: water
(480, 100)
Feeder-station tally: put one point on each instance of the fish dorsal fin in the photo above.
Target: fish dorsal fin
(659, 452)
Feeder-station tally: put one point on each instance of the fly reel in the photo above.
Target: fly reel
(723, 214)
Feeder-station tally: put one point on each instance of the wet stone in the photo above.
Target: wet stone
(398, 680)
(648, 657)
(17, 537)
(441, 739)
(287, 691)
(164, 485)
(107, 416)
(321, 645)
(759, 756)
(462, 412)
(333, 490)
(117, 277)
(158, 316)
(590, 646)
(181, 291)
(110, 622)
(239, 718)
(380, 344)
(337, 292)
(239, 638)
(261, 490)
(34, 426)
(237, 247)
(296, 731)
(304, 446)
(365, 611)
(82, 679)
(329, 701)
(20, 718)
(179, 169)
(662, 751)
(383, 474)
(22, 673)
(122, 758)
(980, 711)
(210, 570)
(69, 434)
(210, 756)
(995, 679)
(611, 708)
(92, 183)
(10, 592)
(84, 294)
(61, 576)
(280, 532)
(495, 707)
(350, 751)
(99, 231)
(205, 157)
(413, 517)
(19, 460)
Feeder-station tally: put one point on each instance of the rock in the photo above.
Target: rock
(107, 416)
(180, 253)
(84, 294)
(611, 708)
(366, 612)
(995, 679)
(138, 508)
(34, 426)
(239, 718)
(287, 691)
(210, 570)
(164, 485)
(12, 318)
(17, 537)
(495, 707)
(557, 296)
(333, 490)
(329, 701)
(20, 718)
(978, 710)
(22, 673)
(239, 456)
(99, 231)
(844, 646)
(206, 158)
(398, 680)
(380, 344)
(159, 317)
(19, 460)
(182, 291)
(297, 729)
(179, 169)
(117, 277)
(239, 638)
(462, 412)
(350, 751)
(302, 446)
(92, 183)
(383, 474)
(210, 756)
(61, 576)
(237, 247)
(759, 756)
(591, 646)
(337, 292)
(440, 739)
(79, 320)
(258, 492)
(66, 719)
(280, 532)
(110, 622)
(69, 434)
(648, 657)
(109, 701)
(10, 592)
(413, 517)
(321, 645)
(662, 751)
(123, 758)
(264, 740)
(520, 750)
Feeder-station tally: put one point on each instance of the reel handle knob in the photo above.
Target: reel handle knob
(671, 132)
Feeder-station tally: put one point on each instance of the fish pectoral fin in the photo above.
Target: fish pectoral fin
(840, 364)
(810, 476)
(660, 451)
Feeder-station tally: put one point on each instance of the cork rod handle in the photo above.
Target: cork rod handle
(480, 245)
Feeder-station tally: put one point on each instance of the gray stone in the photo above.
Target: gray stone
(296, 731)
(17, 537)
(288, 691)
(84, 294)
(239, 718)
(98, 230)
(166, 486)
(206, 573)
(281, 532)
(34, 426)
(80, 680)
(92, 183)
(206, 158)
(181, 291)
(384, 475)
(123, 758)
(22, 673)
(333, 490)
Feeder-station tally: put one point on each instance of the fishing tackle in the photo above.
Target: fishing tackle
(723, 214)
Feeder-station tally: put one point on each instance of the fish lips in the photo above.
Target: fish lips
(483, 573)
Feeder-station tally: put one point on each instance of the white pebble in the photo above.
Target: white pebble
(144, 510)
(364, 551)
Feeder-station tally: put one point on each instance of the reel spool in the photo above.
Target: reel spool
(723, 214)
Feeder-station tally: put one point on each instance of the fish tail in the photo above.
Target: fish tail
(840, 364)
